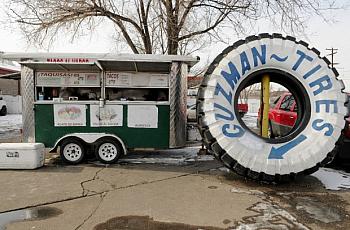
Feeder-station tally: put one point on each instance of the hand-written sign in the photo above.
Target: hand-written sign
(67, 79)
(137, 79)
(142, 116)
(109, 115)
(69, 115)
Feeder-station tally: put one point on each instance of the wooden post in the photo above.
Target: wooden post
(265, 83)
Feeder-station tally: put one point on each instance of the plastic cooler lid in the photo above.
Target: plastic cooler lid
(21, 146)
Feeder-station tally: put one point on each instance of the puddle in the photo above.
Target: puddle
(327, 209)
(333, 179)
(146, 223)
(317, 209)
(27, 214)
(269, 216)
(226, 221)
(212, 187)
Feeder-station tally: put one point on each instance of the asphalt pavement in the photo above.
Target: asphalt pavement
(172, 189)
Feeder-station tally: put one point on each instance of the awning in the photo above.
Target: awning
(61, 66)
(12, 76)
(92, 57)
(135, 66)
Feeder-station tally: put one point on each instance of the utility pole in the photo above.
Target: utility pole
(333, 52)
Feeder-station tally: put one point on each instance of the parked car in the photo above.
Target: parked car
(343, 150)
(3, 107)
(282, 115)
(282, 118)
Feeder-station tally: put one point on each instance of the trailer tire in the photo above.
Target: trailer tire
(72, 151)
(320, 100)
(108, 150)
(3, 111)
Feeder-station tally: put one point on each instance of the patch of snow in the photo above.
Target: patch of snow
(10, 125)
(249, 192)
(250, 120)
(224, 169)
(333, 179)
(270, 216)
(170, 157)
(252, 114)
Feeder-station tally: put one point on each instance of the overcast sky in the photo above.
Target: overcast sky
(319, 34)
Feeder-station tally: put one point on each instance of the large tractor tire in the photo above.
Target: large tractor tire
(318, 94)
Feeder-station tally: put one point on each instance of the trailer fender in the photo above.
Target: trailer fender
(89, 138)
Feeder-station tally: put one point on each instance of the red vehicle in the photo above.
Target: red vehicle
(282, 118)
(343, 151)
(282, 115)
(242, 109)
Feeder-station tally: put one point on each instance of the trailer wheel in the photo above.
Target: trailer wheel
(108, 150)
(3, 111)
(72, 151)
(300, 69)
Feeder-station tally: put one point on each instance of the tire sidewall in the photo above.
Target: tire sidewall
(115, 143)
(73, 141)
(251, 151)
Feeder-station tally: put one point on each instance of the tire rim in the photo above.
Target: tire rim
(107, 151)
(72, 152)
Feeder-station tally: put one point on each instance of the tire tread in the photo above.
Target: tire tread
(219, 153)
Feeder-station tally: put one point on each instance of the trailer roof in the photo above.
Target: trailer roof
(80, 58)
(12, 76)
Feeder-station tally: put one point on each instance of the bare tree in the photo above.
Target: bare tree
(157, 26)
(248, 91)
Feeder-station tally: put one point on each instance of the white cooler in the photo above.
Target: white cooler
(21, 155)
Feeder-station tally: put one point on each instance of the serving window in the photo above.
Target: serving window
(135, 94)
(75, 86)
(68, 93)
(87, 86)
(134, 86)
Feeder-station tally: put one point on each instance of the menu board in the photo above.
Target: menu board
(118, 79)
(126, 79)
(54, 79)
(142, 116)
(109, 115)
(69, 115)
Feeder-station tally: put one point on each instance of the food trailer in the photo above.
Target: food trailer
(103, 103)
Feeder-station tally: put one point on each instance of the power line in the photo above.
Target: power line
(333, 52)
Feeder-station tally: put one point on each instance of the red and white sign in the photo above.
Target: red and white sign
(70, 60)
